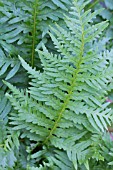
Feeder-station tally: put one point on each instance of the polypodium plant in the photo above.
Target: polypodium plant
(64, 112)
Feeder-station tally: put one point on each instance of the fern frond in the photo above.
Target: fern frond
(8, 139)
(24, 25)
(5, 108)
(65, 106)
(7, 62)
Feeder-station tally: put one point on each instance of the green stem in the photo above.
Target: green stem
(64, 106)
(91, 5)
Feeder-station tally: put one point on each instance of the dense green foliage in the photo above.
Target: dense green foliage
(60, 121)
(107, 37)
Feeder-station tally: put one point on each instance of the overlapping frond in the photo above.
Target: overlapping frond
(65, 104)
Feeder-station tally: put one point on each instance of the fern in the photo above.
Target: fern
(23, 25)
(107, 36)
(26, 23)
(8, 139)
(64, 111)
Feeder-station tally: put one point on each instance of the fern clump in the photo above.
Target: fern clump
(24, 26)
(64, 112)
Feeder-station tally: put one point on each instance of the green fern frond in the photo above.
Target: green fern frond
(8, 63)
(24, 25)
(8, 138)
(5, 108)
(65, 106)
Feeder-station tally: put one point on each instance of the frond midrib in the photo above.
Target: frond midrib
(70, 92)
